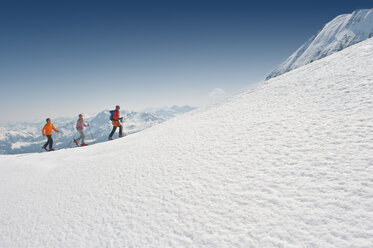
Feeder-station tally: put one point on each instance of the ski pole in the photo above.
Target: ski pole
(70, 143)
(89, 128)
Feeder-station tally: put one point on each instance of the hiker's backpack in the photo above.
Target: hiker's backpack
(111, 114)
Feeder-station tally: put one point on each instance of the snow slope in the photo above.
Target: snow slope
(287, 163)
(343, 31)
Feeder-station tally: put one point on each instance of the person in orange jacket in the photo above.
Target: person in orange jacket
(47, 130)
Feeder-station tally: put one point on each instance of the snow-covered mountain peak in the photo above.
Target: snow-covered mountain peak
(343, 31)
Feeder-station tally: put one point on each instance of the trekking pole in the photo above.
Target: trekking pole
(70, 143)
(89, 128)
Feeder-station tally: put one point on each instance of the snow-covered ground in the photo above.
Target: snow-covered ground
(287, 163)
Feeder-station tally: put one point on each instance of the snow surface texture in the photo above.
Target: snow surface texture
(23, 137)
(288, 163)
(343, 31)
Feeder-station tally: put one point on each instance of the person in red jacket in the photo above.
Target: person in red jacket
(47, 130)
(116, 123)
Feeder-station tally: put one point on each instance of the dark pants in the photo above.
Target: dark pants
(113, 131)
(49, 142)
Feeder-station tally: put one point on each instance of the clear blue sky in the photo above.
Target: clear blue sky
(60, 58)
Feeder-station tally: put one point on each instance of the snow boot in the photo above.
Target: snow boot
(110, 138)
(51, 150)
(83, 144)
(76, 142)
(44, 148)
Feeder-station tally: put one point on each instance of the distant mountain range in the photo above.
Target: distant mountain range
(26, 137)
(343, 31)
